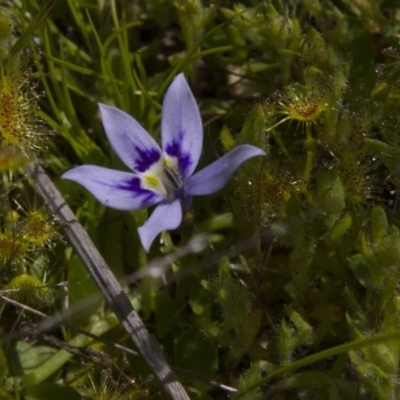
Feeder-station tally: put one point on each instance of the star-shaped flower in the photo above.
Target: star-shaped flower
(162, 176)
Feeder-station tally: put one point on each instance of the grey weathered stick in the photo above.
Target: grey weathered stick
(111, 289)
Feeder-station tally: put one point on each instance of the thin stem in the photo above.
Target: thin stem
(310, 156)
(322, 355)
(307, 168)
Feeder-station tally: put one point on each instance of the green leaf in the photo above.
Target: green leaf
(216, 222)
(360, 270)
(110, 239)
(226, 138)
(5, 396)
(29, 356)
(342, 225)
(3, 365)
(253, 128)
(196, 353)
(391, 322)
(330, 192)
(304, 329)
(51, 391)
(200, 301)
(83, 292)
(165, 313)
(373, 377)
(42, 370)
(387, 154)
(379, 225)
(387, 252)
(315, 381)
(246, 333)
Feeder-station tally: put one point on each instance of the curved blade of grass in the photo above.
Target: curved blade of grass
(118, 32)
(185, 60)
(73, 67)
(144, 91)
(313, 358)
(38, 21)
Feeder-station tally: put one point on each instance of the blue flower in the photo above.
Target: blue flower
(162, 176)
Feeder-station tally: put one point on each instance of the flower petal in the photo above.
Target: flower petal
(115, 189)
(134, 146)
(166, 216)
(215, 176)
(181, 126)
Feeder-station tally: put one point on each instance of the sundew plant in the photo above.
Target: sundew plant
(199, 199)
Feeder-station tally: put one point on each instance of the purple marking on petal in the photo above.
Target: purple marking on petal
(145, 159)
(147, 197)
(181, 126)
(174, 149)
(134, 146)
(115, 189)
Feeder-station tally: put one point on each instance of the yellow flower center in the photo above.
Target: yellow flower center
(163, 178)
